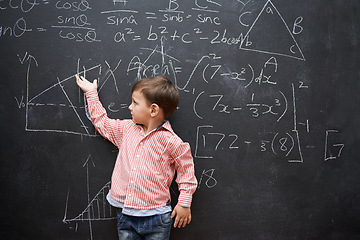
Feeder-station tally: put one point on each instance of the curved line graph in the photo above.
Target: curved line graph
(98, 208)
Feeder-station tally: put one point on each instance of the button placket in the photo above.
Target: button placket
(130, 192)
(133, 173)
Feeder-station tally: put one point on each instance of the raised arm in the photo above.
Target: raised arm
(108, 128)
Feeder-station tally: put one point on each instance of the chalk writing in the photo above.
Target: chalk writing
(68, 103)
(76, 27)
(210, 180)
(333, 148)
(17, 30)
(240, 88)
(98, 208)
(25, 5)
(270, 14)
(209, 142)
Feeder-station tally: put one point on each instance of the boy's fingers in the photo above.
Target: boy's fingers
(180, 223)
(187, 221)
(183, 224)
(176, 222)
(78, 80)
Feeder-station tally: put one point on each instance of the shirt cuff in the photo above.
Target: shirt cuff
(92, 96)
(185, 199)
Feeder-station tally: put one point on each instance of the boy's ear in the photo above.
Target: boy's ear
(154, 110)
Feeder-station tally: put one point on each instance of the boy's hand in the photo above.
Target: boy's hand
(85, 85)
(183, 216)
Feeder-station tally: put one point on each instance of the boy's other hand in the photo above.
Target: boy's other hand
(183, 216)
(85, 85)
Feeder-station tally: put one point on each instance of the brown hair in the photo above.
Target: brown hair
(159, 90)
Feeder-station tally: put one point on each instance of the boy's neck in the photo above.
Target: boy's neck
(154, 124)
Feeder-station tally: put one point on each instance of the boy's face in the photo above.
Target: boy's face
(139, 108)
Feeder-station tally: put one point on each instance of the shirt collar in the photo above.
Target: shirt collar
(166, 125)
(160, 126)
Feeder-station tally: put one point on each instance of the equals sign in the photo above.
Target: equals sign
(136, 38)
(151, 15)
(123, 105)
(178, 69)
(46, 2)
(41, 29)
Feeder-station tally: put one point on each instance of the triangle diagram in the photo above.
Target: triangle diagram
(270, 34)
(59, 108)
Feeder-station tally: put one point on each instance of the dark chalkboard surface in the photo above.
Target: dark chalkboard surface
(270, 96)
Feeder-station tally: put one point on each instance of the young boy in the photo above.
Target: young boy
(149, 155)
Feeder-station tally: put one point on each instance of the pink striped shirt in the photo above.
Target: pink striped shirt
(146, 164)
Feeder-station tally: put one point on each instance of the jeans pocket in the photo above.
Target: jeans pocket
(121, 219)
(165, 220)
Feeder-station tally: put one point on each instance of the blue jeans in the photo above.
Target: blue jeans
(155, 227)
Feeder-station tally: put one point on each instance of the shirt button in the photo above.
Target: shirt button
(129, 194)
(141, 143)
(131, 181)
(138, 156)
(134, 168)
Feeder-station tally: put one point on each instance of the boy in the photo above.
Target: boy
(149, 154)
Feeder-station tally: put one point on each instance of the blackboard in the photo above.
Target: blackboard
(269, 102)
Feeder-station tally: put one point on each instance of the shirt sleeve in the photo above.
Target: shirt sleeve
(184, 165)
(110, 129)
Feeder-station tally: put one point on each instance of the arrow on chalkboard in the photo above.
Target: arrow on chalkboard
(270, 34)
(98, 208)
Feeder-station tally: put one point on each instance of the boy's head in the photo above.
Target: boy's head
(159, 90)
